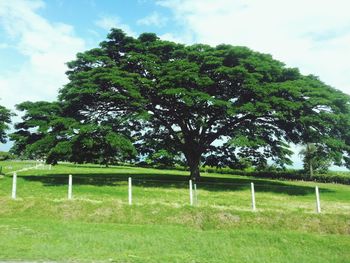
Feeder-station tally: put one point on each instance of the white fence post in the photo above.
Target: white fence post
(70, 186)
(14, 185)
(130, 191)
(318, 204)
(253, 196)
(191, 193)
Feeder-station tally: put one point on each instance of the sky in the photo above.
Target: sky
(38, 37)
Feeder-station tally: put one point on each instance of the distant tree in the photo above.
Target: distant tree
(315, 159)
(5, 120)
(188, 99)
(6, 156)
(163, 158)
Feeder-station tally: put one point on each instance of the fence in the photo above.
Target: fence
(39, 166)
(193, 195)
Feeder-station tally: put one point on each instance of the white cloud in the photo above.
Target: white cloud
(108, 22)
(3, 45)
(178, 38)
(312, 35)
(46, 48)
(154, 19)
(43, 47)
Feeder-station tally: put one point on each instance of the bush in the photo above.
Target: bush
(269, 173)
(290, 174)
(6, 156)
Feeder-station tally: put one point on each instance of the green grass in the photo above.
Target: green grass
(164, 243)
(160, 226)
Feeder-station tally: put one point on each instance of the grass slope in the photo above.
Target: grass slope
(99, 225)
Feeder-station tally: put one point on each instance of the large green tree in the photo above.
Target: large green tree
(205, 102)
(219, 105)
(5, 119)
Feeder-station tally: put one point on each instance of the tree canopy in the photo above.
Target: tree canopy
(46, 133)
(5, 119)
(216, 105)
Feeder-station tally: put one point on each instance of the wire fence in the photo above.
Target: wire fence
(191, 193)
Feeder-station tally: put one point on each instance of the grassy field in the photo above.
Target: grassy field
(98, 224)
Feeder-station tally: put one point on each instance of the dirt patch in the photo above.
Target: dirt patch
(228, 218)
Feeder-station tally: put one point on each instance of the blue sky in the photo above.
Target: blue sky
(38, 37)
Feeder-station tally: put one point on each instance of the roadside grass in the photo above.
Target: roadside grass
(82, 242)
(160, 226)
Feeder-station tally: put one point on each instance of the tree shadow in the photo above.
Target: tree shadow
(98, 166)
(174, 181)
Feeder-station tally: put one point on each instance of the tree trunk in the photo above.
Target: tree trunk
(309, 152)
(193, 161)
(311, 169)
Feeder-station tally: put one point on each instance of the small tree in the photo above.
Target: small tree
(314, 159)
(5, 120)
(162, 158)
(6, 156)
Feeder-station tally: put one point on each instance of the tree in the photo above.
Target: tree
(46, 133)
(163, 159)
(315, 159)
(5, 120)
(6, 156)
(191, 98)
(32, 138)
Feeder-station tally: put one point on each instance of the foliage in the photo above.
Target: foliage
(6, 156)
(5, 119)
(32, 138)
(315, 159)
(101, 144)
(163, 159)
(186, 99)
(278, 174)
(45, 133)
(222, 106)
